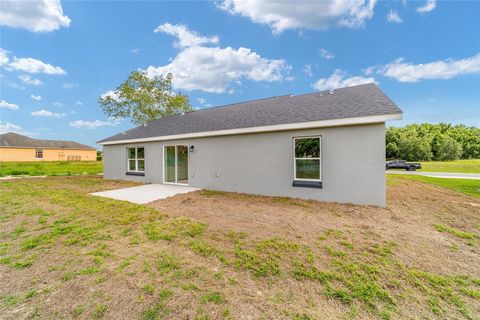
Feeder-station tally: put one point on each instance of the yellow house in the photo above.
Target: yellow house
(15, 147)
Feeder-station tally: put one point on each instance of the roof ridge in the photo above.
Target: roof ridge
(243, 102)
(280, 96)
(349, 102)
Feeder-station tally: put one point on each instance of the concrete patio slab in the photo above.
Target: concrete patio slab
(144, 194)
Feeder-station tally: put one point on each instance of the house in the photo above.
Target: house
(325, 146)
(16, 147)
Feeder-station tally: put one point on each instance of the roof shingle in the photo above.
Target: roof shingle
(12, 139)
(352, 102)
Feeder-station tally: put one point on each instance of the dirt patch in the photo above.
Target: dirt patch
(412, 211)
(211, 255)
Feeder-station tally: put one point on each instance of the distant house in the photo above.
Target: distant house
(324, 146)
(15, 147)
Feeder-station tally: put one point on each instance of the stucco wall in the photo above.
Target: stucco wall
(353, 164)
(28, 154)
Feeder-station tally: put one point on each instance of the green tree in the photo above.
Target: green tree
(444, 141)
(144, 99)
(392, 150)
(412, 147)
(446, 148)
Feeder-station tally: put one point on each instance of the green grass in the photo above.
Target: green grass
(466, 166)
(456, 232)
(186, 260)
(467, 186)
(50, 168)
(213, 297)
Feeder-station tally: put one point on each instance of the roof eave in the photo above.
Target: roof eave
(271, 128)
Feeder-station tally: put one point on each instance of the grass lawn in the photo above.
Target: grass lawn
(216, 255)
(467, 186)
(465, 166)
(50, 168)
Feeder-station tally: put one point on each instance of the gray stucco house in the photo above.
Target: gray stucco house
(324, 146)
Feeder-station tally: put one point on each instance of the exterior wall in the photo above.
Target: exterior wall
(17, 154)
(28, 154)
(352, 167)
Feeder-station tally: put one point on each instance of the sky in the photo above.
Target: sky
(57, 58)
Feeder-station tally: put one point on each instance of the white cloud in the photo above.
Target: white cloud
(37, 16)
(324, 53)
(444, 69)
(6, 105)
(25, 78)
(340, 79)
(185, 36)
(135, 51)
(9, 127)
(284, 15)
(34, 97)
(46, 113)
(214, 69)
(14, 85)
(112, 94)
(31, 65)
(3, 57)
(308, 70)
(393, 16)
(94, 124)
(58, 104)
(429, 6)
(201, 100)
(28, 65)
(369, 70)
(79, 103)
(69, 85)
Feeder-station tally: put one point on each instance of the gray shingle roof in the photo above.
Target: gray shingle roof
(358, 101)
(12, 139)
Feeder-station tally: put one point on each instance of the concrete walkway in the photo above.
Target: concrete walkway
(144, 194)
(448, 175)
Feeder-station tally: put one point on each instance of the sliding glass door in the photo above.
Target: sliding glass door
(176, 164)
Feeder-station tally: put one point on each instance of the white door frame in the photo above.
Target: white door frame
(176, 164)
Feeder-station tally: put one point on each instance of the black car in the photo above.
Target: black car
(402, 164)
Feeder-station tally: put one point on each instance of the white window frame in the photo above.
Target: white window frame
(136, 159)
(176, 168)
(319, 159)
(36, 153)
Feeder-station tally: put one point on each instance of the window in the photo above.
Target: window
(74, 158)
(38, 153)
(136, 159)
(307, 158)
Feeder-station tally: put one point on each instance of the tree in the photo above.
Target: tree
(392, 150)
(412, 147)
(144, 99)
(441, 141)
(446, 148)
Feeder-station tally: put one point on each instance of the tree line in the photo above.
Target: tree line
(442, 142)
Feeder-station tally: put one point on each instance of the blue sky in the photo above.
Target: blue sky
(57, 58)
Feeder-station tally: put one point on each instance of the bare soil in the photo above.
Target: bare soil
(413, 208)
(134, 272)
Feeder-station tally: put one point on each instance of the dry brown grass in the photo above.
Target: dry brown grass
(210, 255)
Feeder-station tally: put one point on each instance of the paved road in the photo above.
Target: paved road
(451, 175)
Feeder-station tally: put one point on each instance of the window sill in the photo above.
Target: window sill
(132, 173)
(307, 184)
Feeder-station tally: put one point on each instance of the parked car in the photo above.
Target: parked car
(402, 164)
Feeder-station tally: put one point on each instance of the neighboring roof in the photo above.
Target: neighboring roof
(16, 140)
(353, 102)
